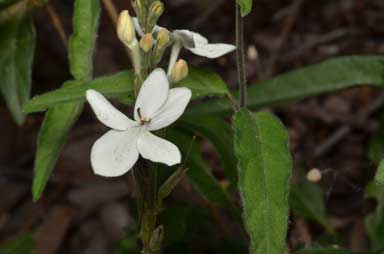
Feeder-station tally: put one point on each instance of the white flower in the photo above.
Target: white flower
(194, 42)
(156, 107)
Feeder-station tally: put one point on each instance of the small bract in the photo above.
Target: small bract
(157, 106)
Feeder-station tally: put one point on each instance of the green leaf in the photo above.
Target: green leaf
(376, 147)
(220, 134)
(169, 185)
(330, 250)
(307, 201)
(379, 177)
(374, 223)
(330, 75)
(22, 245)
(82, 42)
(202, 83)
(245, 6)
(57, 123)
(17, 45)
(6, 3)
(198, 171)
(261, 146)
(59, 120)
(111, 86)
(174, 229)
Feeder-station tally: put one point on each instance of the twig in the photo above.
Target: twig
(343, 131)
(56, 22)
(111, 10)
(241, 72)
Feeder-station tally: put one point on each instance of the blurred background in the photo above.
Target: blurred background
(84, 213)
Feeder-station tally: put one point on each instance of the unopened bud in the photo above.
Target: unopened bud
(314, 175)
(163, 37)
(155, 11)
(146, 42)
(126, 29)
(179, 71)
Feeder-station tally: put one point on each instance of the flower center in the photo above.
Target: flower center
(143, 120)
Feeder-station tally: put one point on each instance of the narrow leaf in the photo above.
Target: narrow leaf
(199, 172)
(167, 187)
(330, 75)
(379, 177)
(59, 120)
(120, 85)
(220, 134)
(261, 146)
(17, 45)
(374, 223)
(82, 42)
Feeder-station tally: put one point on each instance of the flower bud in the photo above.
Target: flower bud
(314, 175)
(126, 29)
(155, 11)
(163, 37)
(179, 71)
(146, 42)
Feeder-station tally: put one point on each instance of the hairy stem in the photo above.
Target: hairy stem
(240, 58)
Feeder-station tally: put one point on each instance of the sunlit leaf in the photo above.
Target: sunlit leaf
(261, 146)
(22, 245)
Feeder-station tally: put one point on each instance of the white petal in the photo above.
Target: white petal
(186, 37)
(157, 149)
(115, 152)
(212, 50)
(107, 113)
(173, 108)
(152, 95)
(137, 27)
(140, 32)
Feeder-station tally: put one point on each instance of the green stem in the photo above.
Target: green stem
(240, 58)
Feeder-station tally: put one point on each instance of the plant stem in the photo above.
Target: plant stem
(240, 58)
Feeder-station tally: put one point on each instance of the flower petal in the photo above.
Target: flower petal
(173, 108)
(107, 113)
(152, 95)
(186, 37)
(157, 149)
(115, 152)
(212, 50)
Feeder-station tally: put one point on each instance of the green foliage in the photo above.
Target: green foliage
(307, 201)
(174, 228)
(82, 41)
(6, 3)
(59, 120)
(376, 147)
(331, 75)
(111, 86)
(57, 123)
(320, 250)
(17, 44)
(379, 177)
(374, 223)
(219, 133)
(202, 83)
(22, 245)
(198, 171)
(261, 146)
(245, 6)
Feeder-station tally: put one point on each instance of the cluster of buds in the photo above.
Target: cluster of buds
(149, 50)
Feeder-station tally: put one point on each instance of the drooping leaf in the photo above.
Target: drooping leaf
(57, 123)
(374, 223)
(331, 75)
(59, 120)
(199, 172)
(17, 45)
(22, 245)
(307, 201)
(261, 146)
(83, 39)
(220, 134)
(202, 83)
